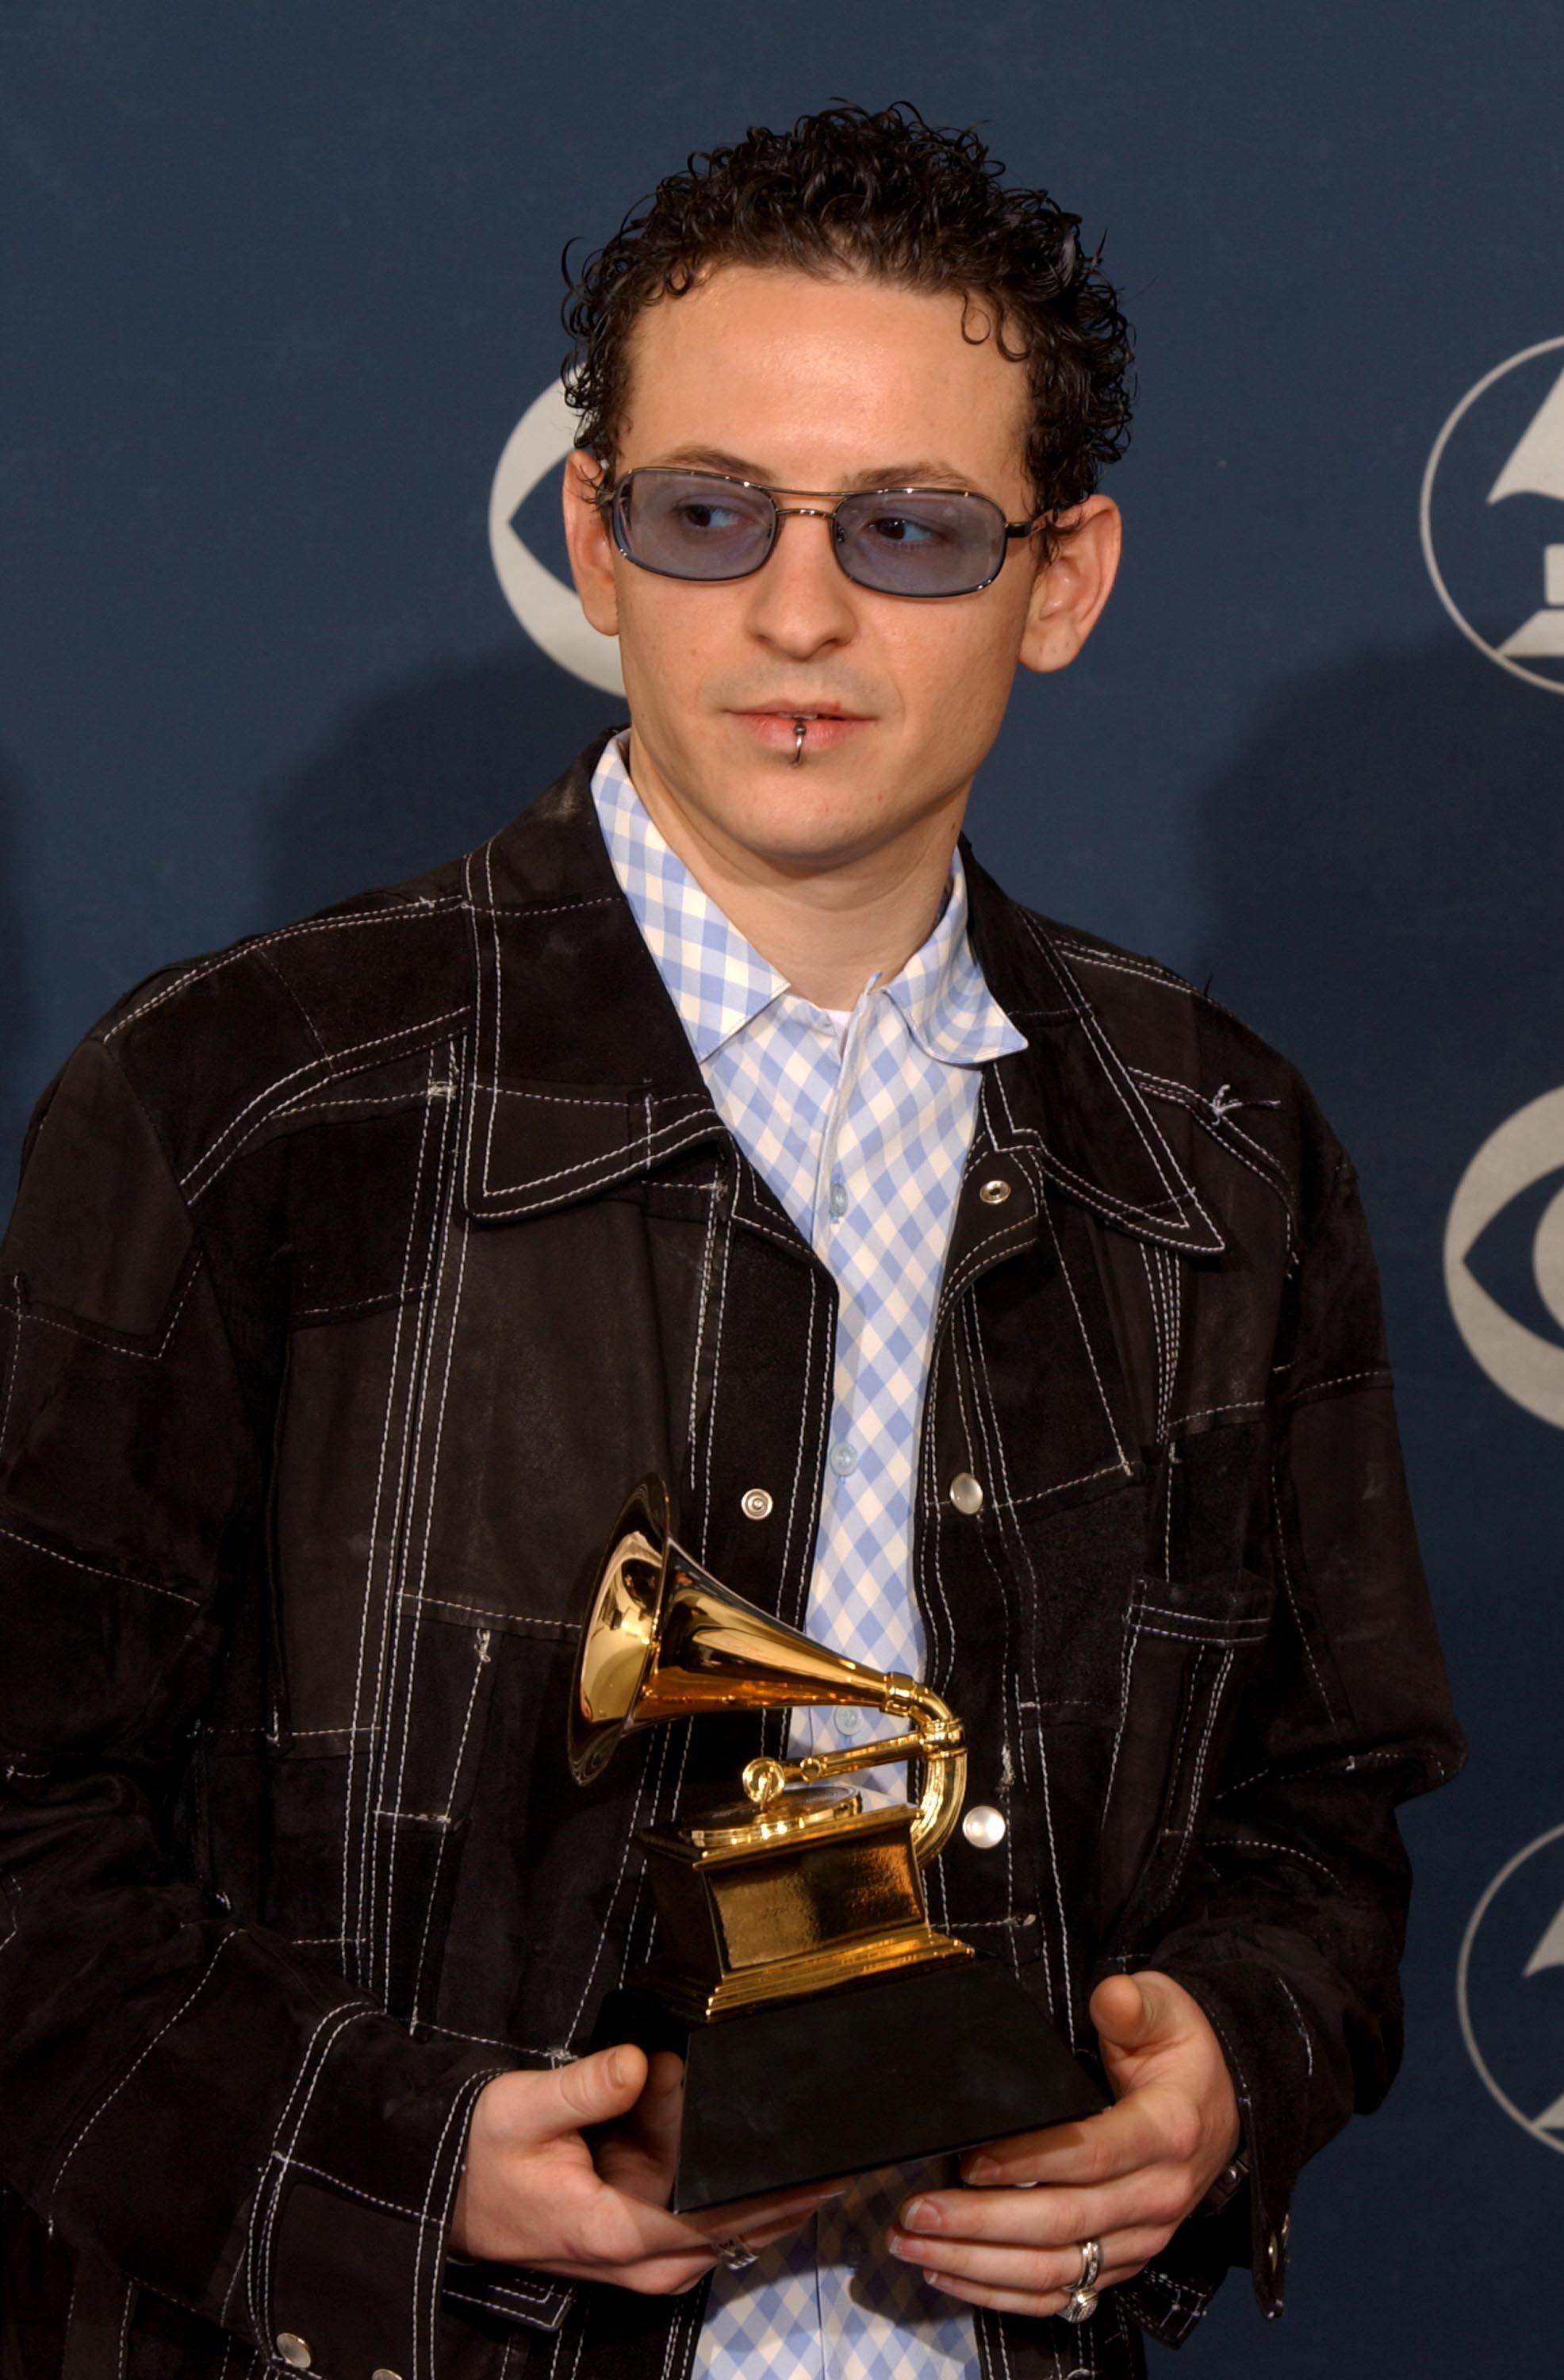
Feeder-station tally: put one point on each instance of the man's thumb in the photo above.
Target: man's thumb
(594, 2090)
(1127, 2012)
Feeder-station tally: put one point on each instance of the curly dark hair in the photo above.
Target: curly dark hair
(889, 195)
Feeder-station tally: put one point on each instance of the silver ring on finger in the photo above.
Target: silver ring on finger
(1082, 2302)
(736, 2254)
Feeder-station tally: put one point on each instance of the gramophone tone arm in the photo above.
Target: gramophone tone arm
(765, 1778)
(937, 1739)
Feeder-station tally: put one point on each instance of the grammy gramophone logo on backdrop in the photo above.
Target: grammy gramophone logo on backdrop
(1510, 1988)
(1493, 515)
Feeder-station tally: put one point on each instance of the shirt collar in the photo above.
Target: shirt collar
(718, 982)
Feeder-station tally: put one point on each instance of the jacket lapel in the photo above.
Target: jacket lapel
(1069, 1097)
(583, 1075)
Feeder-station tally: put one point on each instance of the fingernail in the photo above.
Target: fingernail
(982, 2170)
(921, 2215)
(901, 2246)
(616, 2066)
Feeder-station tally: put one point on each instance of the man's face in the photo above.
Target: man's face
(807, 384)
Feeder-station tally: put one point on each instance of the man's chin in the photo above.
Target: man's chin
(830, 810)
(800, 824)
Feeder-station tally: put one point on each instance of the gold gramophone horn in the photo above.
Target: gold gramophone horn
(665, 1640)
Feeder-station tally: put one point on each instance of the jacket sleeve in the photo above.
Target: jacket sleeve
(187, 2099)
(1289, 1919)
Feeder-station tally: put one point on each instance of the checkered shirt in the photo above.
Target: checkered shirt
(864, 1140)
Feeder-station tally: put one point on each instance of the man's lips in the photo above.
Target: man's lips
(775, 725)
(798, 710)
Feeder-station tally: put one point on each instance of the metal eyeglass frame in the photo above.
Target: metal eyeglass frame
(607, 503)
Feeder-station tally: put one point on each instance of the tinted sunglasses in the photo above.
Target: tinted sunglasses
(702, 524)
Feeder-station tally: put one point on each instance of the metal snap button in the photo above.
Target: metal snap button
(995, 1192)
(385, 2372)
(756, 1504)
(984, 1827)
(967, 1493)
(294, 2350)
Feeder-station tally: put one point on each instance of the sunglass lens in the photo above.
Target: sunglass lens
(925, 544)
(690, 525)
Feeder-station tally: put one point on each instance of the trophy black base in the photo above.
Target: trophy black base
(877, 2073)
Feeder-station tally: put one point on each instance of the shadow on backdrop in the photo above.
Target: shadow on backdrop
(421, 774)
(1381, 863)
(18, 1091)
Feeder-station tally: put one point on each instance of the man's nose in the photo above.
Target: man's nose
(801, 599)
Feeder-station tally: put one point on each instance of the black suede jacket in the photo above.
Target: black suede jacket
(358, 1272)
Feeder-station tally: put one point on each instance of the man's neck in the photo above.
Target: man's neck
(827, 927)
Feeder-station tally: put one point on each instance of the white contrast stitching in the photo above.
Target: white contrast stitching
(393, 1371)
(1241, 1404)
(329, 1063)
(1341, 1380)
(283, 933)
(488, 1611)
(141, 2055)
(657, 1144)
(429, 1490)
(1298, 2019)
(1292, 1600)
(480, 1664)
(463, 2104)
(350, 2189)
(96, 1335)
(120, 1578)
(1035, 1495)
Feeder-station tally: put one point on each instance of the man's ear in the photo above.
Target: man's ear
(588, 540)
(1069, 592)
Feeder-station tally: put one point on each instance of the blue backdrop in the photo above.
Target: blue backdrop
(284, 281)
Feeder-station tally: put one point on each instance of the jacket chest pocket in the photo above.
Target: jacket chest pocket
(1188, 1653)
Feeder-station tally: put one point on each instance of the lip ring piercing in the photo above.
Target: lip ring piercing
(800, 729)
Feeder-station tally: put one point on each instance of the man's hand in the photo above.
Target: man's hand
(532, 2193)
(1127, 2178)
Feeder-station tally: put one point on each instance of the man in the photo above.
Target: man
(999, 1306)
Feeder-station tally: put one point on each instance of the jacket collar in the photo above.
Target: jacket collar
(1070, 1098)
(585, 1076)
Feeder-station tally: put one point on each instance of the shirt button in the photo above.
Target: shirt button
(837, 1202)
(967, 1493)
(756, 1503)
(849, 1722)
(294, 2350)
(843, 1457)
(995, 1192)
(984, 1828)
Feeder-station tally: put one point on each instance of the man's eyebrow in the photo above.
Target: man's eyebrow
(922, 473)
